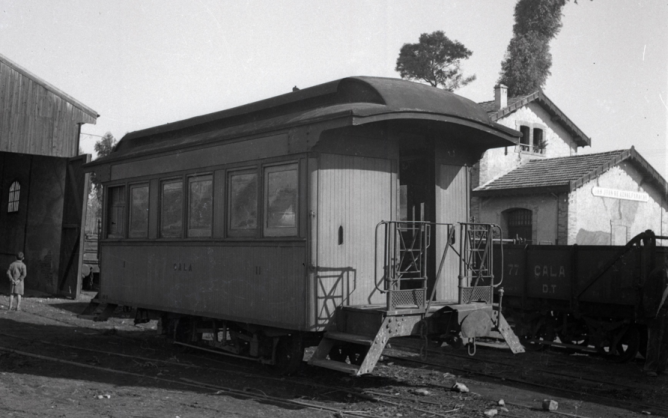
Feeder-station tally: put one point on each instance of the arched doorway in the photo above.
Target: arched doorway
(518, 223)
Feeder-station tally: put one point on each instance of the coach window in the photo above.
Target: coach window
(242, 203)
(171, 210)
(138, 211)
(280, 200)
(200, 206)
(116, 212)
(14, 197)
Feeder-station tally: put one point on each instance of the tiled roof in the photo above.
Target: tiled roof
(490, 107)
(555, 113)
(566, 173)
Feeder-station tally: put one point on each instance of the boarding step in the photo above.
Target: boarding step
(349, 338)
(509, 336)
(336, 365)
(94, 303)
(358, 354)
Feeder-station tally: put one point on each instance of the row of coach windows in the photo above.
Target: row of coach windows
(187, 206)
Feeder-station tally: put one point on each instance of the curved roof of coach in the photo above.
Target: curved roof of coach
(365, 99)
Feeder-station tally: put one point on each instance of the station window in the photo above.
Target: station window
(242, 202)
(280, 200)
(116, 212)
(14, 197)
(200, 206)
(533, 138)
(525, 141)
(539, 143)
(171, 209)
(138, 211)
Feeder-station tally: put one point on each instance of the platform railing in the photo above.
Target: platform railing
(476, 254)
(405, 246)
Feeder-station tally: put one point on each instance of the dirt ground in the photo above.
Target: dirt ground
(53, 363)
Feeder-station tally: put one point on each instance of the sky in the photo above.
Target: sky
(143, 63)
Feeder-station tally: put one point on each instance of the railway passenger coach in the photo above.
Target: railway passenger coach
(256, 229)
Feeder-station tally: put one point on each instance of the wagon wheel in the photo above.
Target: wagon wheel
(627, 346)
(289, 354)
(541, 329)
(642, 347)
(573, 331)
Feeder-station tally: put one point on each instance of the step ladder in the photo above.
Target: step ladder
(358, 354)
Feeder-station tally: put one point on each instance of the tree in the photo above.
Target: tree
(526, 65)
(435, 59)
(103, 147)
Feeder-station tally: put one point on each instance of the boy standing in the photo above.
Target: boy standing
(17, 272)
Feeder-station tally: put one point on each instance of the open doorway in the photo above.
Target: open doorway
(417, 203)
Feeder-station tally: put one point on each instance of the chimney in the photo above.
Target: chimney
(500, 96)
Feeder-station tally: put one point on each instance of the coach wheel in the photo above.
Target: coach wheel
(338, 353)
(627, 346)
(355, 353)
(182, 329)
(289, 354)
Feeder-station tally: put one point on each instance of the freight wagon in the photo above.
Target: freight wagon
(582, 297)
(329, 216)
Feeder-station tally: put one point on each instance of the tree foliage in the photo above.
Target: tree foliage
(435, 59)
(103, 147)
(526, 65)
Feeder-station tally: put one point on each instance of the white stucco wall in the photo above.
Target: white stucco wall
(542, 206)
(604, 220)
(499, 161)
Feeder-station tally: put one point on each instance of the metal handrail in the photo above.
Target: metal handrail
(482, 240)
(385, 280)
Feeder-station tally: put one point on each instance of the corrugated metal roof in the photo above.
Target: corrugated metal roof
(566, 173)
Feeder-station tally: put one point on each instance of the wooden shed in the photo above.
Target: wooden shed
(43, 190)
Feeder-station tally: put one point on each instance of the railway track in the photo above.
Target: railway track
(592, 384)
(317, 396)
(361, 397)
(373, 398)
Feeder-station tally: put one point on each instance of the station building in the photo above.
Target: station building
(43, 191)
(542, 191)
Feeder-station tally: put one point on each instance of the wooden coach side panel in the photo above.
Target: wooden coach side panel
(245, 282)
(354, 195)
